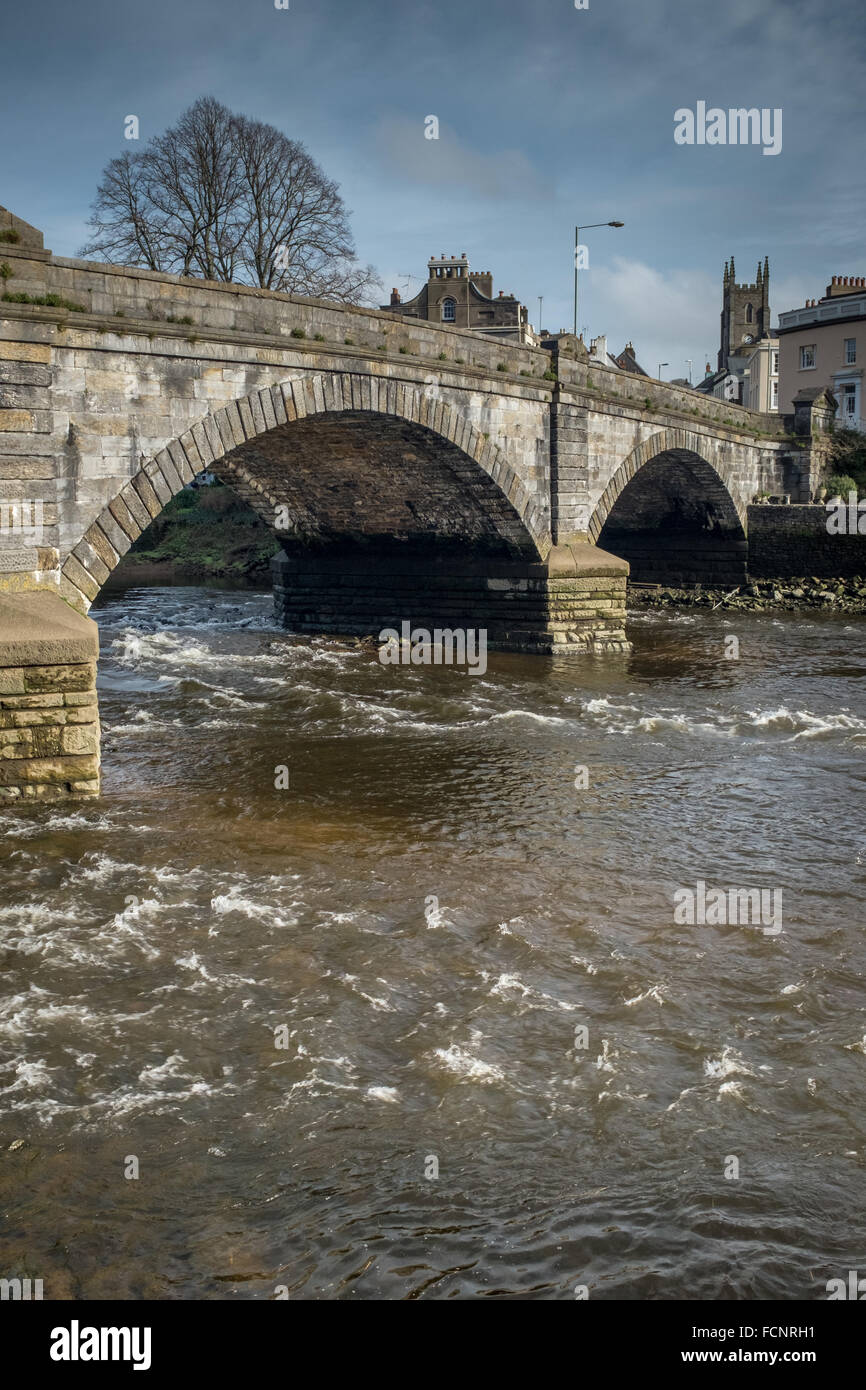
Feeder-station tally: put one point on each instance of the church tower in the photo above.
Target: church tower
(745, 311)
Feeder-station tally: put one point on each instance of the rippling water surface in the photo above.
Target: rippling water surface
(426, 915)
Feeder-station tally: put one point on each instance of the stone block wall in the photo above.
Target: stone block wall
(96, 388)
(790, 542)
(49, 720)
(560, 605)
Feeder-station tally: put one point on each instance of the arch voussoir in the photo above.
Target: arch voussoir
(267, 406)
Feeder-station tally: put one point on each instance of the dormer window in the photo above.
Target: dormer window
(449, 310)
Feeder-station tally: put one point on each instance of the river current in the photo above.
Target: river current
(422, 1023)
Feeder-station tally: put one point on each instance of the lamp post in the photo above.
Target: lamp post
(662, 364)
(588, 228)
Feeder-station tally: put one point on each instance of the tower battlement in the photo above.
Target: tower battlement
(745, 316)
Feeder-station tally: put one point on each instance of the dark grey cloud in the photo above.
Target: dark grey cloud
(548, 115)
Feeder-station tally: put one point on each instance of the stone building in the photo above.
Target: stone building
(627, 361)
(457, 295)
(822, 347)
(745, 323)
(745, 317)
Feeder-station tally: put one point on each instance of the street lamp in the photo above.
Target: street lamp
(659, 372)
(576, 246)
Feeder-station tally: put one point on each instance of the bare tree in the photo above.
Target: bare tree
(127, 229)
(227, 198)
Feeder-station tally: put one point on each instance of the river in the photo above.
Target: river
(335, 1027)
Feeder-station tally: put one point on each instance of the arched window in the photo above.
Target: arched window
(449, 310)
(748, 313)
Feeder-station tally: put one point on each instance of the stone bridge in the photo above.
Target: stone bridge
(410, 470)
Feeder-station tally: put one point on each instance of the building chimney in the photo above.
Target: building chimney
(844, 284)
(395, 296)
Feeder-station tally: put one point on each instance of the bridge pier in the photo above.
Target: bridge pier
(49, 720)
(573, 601)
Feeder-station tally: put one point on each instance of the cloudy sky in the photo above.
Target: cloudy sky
(548, 115)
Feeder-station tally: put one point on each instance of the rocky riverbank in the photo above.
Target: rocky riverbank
(810, 592)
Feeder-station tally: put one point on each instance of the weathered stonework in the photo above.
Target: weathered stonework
(793, 541)
(111, 408)
(49, 721)
(410, 469)
(574, 600)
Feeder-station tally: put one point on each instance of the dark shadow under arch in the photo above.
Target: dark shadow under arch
(676, 523)
(388, 503)
(335, 458)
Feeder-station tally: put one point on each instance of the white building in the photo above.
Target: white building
(761, 376)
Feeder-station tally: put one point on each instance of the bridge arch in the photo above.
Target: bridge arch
(664, 442)
(673, 510)
(233, 440)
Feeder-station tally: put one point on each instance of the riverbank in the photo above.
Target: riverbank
(203, 535)
(762, 595)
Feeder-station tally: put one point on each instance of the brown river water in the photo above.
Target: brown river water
(424, 918)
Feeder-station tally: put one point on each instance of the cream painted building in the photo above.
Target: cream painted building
(761, 376)
(823, 345)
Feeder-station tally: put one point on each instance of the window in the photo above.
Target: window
(774, 368)
(807, 357)
(449, 310)
(774, 396)
(850, 402)
(850, 351)
(748, 313)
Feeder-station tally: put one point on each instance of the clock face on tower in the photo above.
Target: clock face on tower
(747, 338)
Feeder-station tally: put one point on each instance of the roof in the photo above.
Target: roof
(627, 361)
(710, 381)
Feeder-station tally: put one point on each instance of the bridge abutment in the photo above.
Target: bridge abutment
(49, 720)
